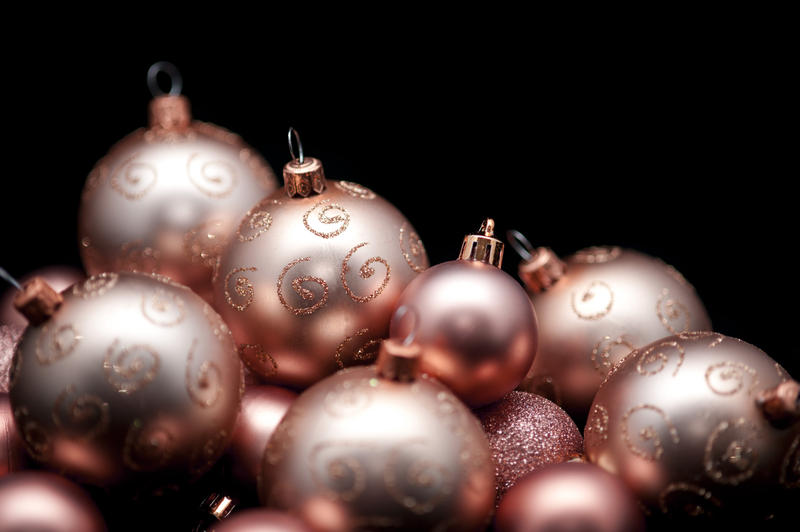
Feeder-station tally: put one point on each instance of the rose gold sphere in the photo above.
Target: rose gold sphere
(527, 432)
(165, 199)
(679, 420)
(308, 285)
(44, 502)
(12, 451)
(134, 379)
(394, 454)
(263, 407)
(261, 520)
(58, 277)
(569, 497)
(609, 301)
(476, 326)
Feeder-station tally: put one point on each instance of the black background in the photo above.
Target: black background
(676, 148)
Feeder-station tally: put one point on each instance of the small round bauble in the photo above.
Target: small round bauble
(58, 277)
(699, 424)
(311, 276)
(569, 497)
(593, 309)
(527, 432)
(126, 379)
(263, 407)
(395, 449)
(12, 452)
(474, 322)
(166, 198)
(44, 502)
(261, 520)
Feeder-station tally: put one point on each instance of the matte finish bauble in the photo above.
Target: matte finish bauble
(134, 379)
(682, 422)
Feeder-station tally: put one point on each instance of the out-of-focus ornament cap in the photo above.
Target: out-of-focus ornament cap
(398, 361)
(483, 246)
(302, 176)
(781, 404)
(540, 268)
(168, 111)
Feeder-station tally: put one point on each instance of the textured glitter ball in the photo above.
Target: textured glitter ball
(526, 432)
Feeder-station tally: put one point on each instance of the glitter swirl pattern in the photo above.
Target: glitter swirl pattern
(134, 179)
(348, 398)
(730, 456)
(215, 179)
(656, 354)
(728, 378)
(95, 286)
(53, 345)
(302, 291)
(343, 218)
(367, 352)
(594, 302)
(204, 386)
(355, 190)
(365, 272)
(717, 338)
(673, 314)
(243, 288)
(597, 425)
(163, 308)
(148, 447)
(86, 415)
(337, 471)
(412, 249)
(267, 365)
(255, 223)
(131, 368)
(597, 254)
(417, 483)
(682, 498)
(647, 434)
(608, 349)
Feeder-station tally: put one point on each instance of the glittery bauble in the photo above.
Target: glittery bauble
(679, 420)
(134, 379)
(12, 451)
(608, 302)
(308, 285)
(396, 455)
(165, 199)
(45, 502)
(9, 336)
(263, 407)
(476, 326)
(527, 432)
(569, 497)
(58, 277)
(260, 520)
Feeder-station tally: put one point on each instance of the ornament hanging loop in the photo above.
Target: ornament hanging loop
(521, 244)
(403, 311)
(301, 159)
(176, 81)
(9, 278)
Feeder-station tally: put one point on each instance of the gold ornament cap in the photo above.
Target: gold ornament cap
(540, 268)
(781, 404)
(483, 246)
(398, 361)
(37, 301)
(302, 176)
(170, 112)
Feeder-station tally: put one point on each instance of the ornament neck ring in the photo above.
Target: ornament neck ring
(300, 159)
(167, 68)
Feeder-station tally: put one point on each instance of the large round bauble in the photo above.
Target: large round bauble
(404, 455)
(609, 301)
(475, 325)
(679, 421)
(133, 379)
(308, 285)
(569, 497)
(165, 200)
(44, 502)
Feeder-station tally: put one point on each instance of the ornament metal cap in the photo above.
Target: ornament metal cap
(398, 361)
(302, 176)
(37, 301)
(540, 268)
(218, 506)
(781, 404)
(169, 112)
(483, 246)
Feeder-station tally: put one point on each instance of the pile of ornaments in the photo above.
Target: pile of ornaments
(297, 338)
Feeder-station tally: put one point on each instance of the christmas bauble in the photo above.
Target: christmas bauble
(130, 379)
(395, 449)
(699, 424)
(44, 502)
(12, 452)
(309, 280)
(263, 407)
(593, 309)
(527, 432)
(58, 277)
(166, 198)
(474, 322)
(261, 520)
(9, 336)
(569, 497)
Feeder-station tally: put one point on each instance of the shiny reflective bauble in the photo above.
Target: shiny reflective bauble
(308, 285)
(260, 520)
(58, 277)
(527, 432)
(569, 497)
(44, 502)
(263, 407)
(165, 200)
(403, 455)
(609, 302)
(476, 327)
(678, 421)
(133, 380)
(12, 451)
